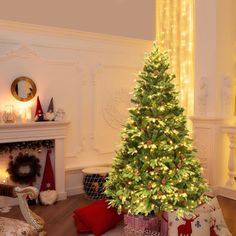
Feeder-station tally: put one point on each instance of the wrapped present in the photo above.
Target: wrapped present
(149, 232)
(146, 225)
(129, 220)
(140, 223)
(131, 231)
(164, 224)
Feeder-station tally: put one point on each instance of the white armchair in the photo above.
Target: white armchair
(34, 225)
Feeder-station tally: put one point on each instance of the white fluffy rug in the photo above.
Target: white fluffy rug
(117, 231)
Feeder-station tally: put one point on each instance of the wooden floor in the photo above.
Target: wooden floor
(59, 221)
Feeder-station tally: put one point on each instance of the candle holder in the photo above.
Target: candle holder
(9, 115)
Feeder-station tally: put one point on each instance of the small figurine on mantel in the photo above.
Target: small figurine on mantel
(39, 111)
(60, 115)
(50, 115)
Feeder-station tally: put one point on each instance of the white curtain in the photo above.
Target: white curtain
(175, 34)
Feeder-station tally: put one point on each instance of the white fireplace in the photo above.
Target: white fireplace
(20, 132)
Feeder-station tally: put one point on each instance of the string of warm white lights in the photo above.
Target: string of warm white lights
(175, 34)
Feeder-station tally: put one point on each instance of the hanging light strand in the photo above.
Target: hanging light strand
(175, 34)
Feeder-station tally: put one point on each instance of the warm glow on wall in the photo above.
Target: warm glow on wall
(24, 111)
(16, 112)
(175, 34)
(4, 176)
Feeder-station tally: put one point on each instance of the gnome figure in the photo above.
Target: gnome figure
(50, 112)
(39, 111)
(48, 194)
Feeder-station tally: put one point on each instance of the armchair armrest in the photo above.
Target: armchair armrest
(31, 218)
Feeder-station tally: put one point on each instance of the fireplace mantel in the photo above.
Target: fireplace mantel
(41, 131)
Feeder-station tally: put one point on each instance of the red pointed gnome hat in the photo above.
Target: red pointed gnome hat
(48, 181)
(51, 106)
(39, 110)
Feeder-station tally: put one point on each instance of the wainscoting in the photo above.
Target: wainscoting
(89, 75)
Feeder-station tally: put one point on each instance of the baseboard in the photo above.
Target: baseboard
(225, 191)
(75, 191)
(61, 196)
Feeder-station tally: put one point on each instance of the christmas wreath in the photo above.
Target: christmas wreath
(24, 168)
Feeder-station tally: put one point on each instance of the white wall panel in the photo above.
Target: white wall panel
(90, 76)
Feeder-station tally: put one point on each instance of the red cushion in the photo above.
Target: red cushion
(80, 226)
(98, 217)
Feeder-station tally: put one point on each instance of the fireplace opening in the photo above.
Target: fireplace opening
(21, 162)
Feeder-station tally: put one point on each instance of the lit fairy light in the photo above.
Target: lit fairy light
(175, 34)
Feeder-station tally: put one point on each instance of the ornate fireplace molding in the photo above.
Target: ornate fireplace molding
(41, 131)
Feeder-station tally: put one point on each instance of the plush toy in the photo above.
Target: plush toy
(50, 115)
(48, 197)
(39, 111)
(48, 194)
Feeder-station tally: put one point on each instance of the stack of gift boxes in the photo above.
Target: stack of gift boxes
(142, 225)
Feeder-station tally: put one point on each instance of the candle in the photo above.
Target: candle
(24, 112)
(29, 113)
(8, 114)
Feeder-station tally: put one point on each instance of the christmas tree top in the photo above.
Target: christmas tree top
(155, 170)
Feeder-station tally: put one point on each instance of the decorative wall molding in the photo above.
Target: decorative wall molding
(74, 36)
(203, 95)
(88, 76)
(209, 141)
(27, 52)
(226, 95)
(23, 51)
(113, 108)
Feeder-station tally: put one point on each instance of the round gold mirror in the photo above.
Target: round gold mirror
(23, 89)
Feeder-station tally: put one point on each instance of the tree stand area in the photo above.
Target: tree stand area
(150, 225)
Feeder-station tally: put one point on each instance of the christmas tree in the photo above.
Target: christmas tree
(156, 169)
